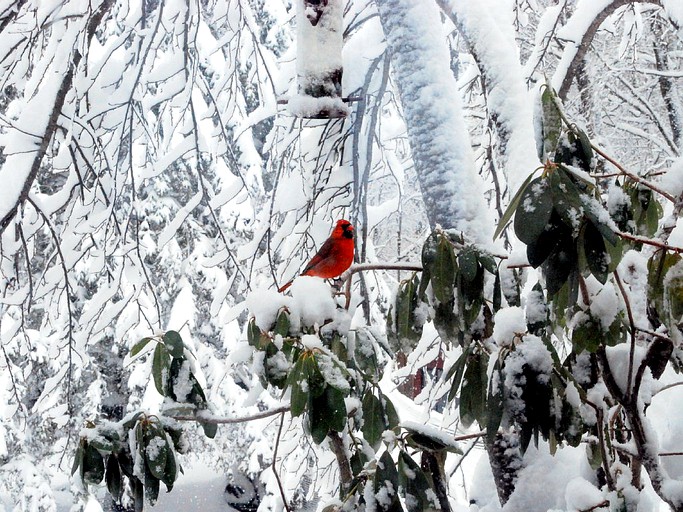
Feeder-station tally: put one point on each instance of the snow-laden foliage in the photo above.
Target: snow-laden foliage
(157, 188)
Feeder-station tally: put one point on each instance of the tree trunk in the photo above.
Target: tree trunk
(453, 193)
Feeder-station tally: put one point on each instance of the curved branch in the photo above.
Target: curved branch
(579, 49)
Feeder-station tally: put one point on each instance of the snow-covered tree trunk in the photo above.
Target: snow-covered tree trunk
(319, 59)
(451, 189)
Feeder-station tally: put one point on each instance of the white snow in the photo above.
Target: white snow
(509, 323)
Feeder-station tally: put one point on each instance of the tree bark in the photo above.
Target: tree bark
(451, 189)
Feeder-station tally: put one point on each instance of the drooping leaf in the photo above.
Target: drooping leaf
(174, 343)
(412, 483)
(497, 293)
(408, 326)
(253, 333)
(156, 450)
(551, 125)
(658, 354)
(468, 264)
(533, 212)
(298, 383)
(443, 271)
(566, 200)
(161, 365)
(586, 148)
(495, 401)
(373, 419)
(151, 487)
(456, 372)
(210, 429)
(318, 418)
(596, 214)
(595, 252)
(390, 413)
(365, 354)
(559, 265)
(512, 207)
(93, 465)
(336, 408)
(78, 457)
(473, 392)
(113, 477)
(386, 485)
(282, 323)
(138, 494)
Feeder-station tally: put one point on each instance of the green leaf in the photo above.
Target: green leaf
(412, 483)
(408, 328)
(386, 472)
(126, 463)
(495, 401)
(373, 419)
(137, 348)
(566, 199)
(596, 219)
(534, 211)
(210, 429)
(335, 408)
(93, 465)
(156, 450)
(512, 207)
(443, 271)
(138, 494)
(113, 478)
(253, 333)
(488, 262)
(316, 381)
(468, 264)
(282, 323)
(654, 212)
(587, 336)
(318, 418)
(299, 394)
(161, 365)
(457, 371)
(614, 252)
(358, 461)
(473, 392)
(423, 440)
(497, 293)
(174, 343)
(151, 488)
(586, 147)
(559, 265)
(596, 253)
(392, 419)
(78, 456)
(551, 123)
(171, 471)
(365, 354)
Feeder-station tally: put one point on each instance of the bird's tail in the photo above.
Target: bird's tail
(285, 286)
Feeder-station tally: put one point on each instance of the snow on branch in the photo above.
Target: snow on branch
(440, 144)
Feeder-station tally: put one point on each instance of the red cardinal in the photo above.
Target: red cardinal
(334, 257)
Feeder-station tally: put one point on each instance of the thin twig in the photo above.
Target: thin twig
(629, 392)
(215, 420)
(277, 476)
(650, 241)
(632, 176)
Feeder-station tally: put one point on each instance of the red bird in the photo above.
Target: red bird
(334, 257)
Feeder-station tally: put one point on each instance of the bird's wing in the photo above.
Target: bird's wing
(323, 253)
